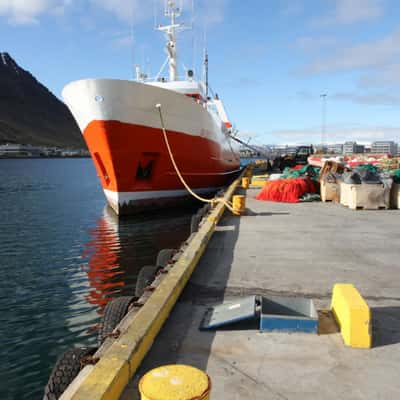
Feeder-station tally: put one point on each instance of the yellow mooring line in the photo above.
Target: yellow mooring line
(178, 172)
(107, 379)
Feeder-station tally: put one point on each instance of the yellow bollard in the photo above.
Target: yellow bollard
(239, 204)
(353, 316)
(249, 172)
(245, 182)
(173, 382)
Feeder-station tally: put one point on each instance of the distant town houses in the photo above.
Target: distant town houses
(353, 148)
(389, 147)
(346, 148)
(11, 150)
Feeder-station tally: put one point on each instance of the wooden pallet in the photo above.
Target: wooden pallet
(364, 196)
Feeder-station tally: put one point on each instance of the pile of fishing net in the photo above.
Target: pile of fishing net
(368, 167)
(289, 190)
(396, 176)
(300, 171)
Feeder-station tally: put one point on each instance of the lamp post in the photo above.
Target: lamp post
(323, 124)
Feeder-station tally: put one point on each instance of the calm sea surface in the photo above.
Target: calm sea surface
(63, 255)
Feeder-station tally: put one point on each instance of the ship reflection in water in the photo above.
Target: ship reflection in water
(118, 249)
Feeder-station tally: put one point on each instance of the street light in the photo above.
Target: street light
(323, 125)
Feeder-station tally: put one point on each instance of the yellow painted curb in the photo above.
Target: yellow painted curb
(107, 379)
(353, 316)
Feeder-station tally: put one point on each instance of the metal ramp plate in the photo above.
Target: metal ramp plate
(289, 314)
(229, 313)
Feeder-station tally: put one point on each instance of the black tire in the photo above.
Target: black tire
(114, 311)
(144, 279)
(194, 223)
(200, 213)
(206, 209)
(164, 256)
(65, 371)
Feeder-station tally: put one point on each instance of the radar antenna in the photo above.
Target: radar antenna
(173, 11)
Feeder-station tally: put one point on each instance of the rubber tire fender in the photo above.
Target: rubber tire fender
(164, 256)
(144, 279)
(206, 209)
(115, 310)
(194, 223)
(67, 367)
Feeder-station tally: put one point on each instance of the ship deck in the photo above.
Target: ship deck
(293, 250)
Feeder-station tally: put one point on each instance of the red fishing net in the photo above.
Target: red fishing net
(287, 190)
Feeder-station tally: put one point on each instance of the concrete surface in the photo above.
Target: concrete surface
(291, 249)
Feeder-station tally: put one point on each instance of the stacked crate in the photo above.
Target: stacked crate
(365, 196)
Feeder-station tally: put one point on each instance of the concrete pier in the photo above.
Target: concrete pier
(294, 250)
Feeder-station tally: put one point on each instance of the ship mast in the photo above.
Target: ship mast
(172, 11)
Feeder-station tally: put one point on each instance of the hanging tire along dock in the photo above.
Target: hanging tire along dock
(273, 250)
(122, 351)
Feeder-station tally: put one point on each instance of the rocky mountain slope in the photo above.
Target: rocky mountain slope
(30, 113)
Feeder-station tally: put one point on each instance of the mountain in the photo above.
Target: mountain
(30, 113)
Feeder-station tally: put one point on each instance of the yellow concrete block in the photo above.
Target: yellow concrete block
(260, 177)
(353, 316)
(259, 180)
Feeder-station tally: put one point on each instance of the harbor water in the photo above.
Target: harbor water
(63, 256)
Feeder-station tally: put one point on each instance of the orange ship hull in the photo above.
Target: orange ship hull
(135, 176)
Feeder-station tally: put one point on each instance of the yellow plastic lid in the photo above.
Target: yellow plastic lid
(174, 382)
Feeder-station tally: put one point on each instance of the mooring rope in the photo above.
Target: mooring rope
(195, 195)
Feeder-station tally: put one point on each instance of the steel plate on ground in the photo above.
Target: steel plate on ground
(229, 313)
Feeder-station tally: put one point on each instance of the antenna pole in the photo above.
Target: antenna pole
(323, 125)
(206, 71)
(173, 11)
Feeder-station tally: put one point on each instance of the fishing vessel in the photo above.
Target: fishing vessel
(123, 123)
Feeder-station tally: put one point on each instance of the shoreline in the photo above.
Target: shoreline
(38, 157)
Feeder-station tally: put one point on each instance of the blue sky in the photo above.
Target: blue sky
(269, 60)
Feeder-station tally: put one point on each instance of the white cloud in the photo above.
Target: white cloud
(207, 12)
(372, 54)
(387, 76)
(380, 99)
(125, 10)
(211, 11)
(21, 12)
(363, 98)
(122, 40)
(293, 8)
(311, 44)
(351, 11)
